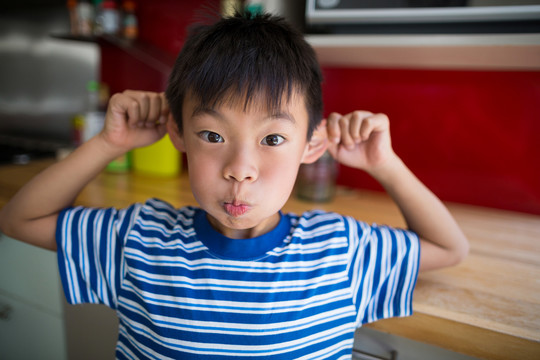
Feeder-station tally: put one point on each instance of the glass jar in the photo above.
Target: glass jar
(317, 181)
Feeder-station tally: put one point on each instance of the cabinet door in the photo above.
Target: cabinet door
(27, 332)
(30, 273)
(31, 312)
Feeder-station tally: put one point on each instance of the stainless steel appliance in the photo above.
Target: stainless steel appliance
(423, 16)
(43, 79)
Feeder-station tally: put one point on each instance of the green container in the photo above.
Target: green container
(121, 164)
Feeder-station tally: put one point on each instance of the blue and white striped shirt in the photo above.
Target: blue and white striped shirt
(182, 290)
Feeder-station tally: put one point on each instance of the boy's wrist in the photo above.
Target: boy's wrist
(388, 171)
(105, 149)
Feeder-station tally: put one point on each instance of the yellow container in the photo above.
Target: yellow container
(159, 159)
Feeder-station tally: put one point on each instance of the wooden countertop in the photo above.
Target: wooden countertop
(488, 306)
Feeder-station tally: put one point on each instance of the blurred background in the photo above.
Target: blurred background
(462, 69)
(460, 82)
(43, 79)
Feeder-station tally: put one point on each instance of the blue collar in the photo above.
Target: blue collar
(239, 249)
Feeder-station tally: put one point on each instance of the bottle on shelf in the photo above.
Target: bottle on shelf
(107, 19)
(94, 116)
(130, 28)
(85, 18)
(73, 18)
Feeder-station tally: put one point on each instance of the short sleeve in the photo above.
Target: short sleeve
(90, 245)
(383, 272)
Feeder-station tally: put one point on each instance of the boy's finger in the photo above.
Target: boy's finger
(154, 110)
(131, 103)
(373, 123)
(346, 138)
(123, 106)
(144, 108)
(133, 112)
(332, 127)
(355, 124)
(164, 109)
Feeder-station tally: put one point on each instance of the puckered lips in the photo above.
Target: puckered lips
(236, 208)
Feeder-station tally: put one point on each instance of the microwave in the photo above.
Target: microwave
(423, 16)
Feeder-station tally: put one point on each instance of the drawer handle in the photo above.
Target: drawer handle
(5, 311)
(360, 355)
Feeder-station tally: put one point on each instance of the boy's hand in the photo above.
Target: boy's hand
(360, 139)
(135, 119)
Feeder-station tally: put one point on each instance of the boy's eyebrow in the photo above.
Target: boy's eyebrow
(282, 115)
(214, 113)
(201, 111)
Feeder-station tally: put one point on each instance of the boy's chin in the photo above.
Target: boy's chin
(243, 226)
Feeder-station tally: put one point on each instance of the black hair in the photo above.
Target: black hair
(250, 57)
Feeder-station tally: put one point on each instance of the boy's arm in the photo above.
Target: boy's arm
(133, 119)
(362, 140)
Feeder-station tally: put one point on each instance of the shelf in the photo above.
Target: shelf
(475, 52)
(81, 38)
(150, 55)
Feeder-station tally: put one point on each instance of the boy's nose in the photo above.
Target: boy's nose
(241, 166)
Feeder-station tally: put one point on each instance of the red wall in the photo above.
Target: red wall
(165, 23)
(471, 136)
(163, 26)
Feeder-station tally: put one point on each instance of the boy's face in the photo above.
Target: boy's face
(243, 163)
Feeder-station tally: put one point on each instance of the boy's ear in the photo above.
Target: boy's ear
(317, 145)
(174, 134)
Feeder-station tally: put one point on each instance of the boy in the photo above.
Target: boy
(236, 277)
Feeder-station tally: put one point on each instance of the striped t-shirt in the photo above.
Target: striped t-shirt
(184, 291)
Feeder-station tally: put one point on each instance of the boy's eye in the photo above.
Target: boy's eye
(211, 136)
(273, 140)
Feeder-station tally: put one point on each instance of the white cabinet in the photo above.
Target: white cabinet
(31, 311)
(35, 320)
(30, 332)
